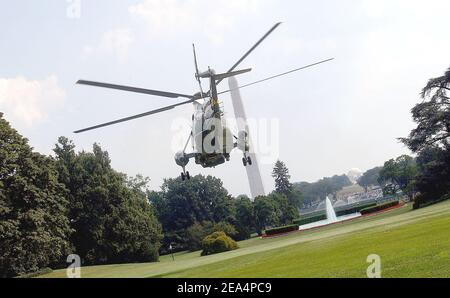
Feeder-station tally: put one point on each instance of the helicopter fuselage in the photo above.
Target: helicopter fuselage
(212, 139)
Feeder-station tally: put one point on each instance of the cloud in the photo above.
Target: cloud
(426, 10)
(27, 101)
(209, 17)
(114, 42)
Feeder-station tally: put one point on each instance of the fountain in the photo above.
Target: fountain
(331, 214)
(331, 217)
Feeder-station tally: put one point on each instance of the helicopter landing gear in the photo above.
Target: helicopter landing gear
(246, 160)
(185, 175)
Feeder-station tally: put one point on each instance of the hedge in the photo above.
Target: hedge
(282, 230)
(379, 207)
(419, 204)
(355, 209)
(305, 221)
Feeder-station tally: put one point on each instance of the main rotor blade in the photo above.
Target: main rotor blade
(136, 116)
(197, 77)
(278, 75)
(195, 61)
(252, 48)
(134, 89)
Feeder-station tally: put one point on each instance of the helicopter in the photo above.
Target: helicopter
(212, 140)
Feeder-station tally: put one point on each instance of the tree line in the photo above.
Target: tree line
(76, 203)
(190, 210)
(313, 193)
(51, 207)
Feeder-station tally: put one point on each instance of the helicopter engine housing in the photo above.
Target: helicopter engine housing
(181, 159)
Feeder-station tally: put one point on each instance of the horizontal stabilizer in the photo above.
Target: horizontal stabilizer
(220, 77)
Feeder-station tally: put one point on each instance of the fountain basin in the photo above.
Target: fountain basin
(326, 222)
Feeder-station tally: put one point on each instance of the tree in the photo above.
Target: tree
(34, 228)
(432, 116)
(112, 219)
(281, 175)
(432, 181)
(283, 186)
(370, 178)
(285, 211)
(318, 191)
(430, 140)
(245, 218)
(399, 174)
(266, 213)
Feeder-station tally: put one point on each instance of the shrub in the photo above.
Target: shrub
(379, 207)
(282, 230)
(217, 242)
(197, 232)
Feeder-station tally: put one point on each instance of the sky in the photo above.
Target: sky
(322, 121)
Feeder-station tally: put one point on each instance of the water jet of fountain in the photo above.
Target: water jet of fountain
(331, 214)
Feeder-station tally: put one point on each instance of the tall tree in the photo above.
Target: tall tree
(283, 185)
(282, 178)
(34, 228)
(432, 116)
(431, 139)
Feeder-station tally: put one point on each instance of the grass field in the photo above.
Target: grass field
(410, 244)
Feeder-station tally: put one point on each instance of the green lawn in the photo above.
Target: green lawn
(410, 244)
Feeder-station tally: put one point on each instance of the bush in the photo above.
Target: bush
(379, 207)
(282, 230)
(217, 242)
(197, 232)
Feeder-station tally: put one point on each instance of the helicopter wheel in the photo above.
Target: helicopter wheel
(183, 177)
(244, 161)
(249, 161)
(188, 176)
